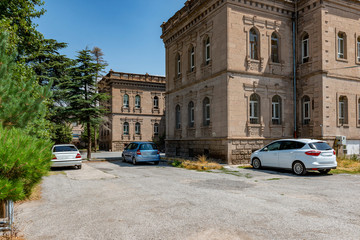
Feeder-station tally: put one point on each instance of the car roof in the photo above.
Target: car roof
(58, 145)
(141, 142)
(303, 140)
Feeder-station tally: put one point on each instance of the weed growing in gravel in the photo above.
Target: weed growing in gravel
(245, 166)
(236, 173)
(346, 165)
(271, 179)
(202, 164)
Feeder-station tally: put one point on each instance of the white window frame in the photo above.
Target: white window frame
(156, 102)
(275, 112)
(305, 54)
(306, 114)
(178, 65)
(207, 51)
(341, 46)
(192, 59)
(156, 129)
(126, 128)
(137, 101)
(126, 101)
(358, 49)
(254, 44)
(137, 128)
(254, 118)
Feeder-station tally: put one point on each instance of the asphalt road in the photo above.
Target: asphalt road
(115, 200)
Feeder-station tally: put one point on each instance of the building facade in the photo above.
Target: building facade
(136, 109)
(242, 73)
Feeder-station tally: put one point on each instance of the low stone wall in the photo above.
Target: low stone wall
(240, 150)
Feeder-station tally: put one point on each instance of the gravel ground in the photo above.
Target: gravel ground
(115, 200)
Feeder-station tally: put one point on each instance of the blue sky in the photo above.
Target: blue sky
(128, 31)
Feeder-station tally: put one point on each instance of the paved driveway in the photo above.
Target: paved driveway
(115, 200)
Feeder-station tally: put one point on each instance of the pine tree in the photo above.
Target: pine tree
(24, 158)
(82, 96)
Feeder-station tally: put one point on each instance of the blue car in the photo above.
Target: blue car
(141, 152)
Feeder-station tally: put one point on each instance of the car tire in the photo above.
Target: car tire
(123, 158)
(299, 168)
(134, 161)
(79, 167)
(324, 171)
(156, 163)
(256, 163)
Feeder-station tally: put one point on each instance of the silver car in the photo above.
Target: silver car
(66, 155)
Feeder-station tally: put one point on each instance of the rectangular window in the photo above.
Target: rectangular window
(275, 113)
(192, 61)
(306, 112)
(359, 111)
(254, 118)
(340, 47)
(341, 112)
(192, 117)
(358, 51)
(305, 50)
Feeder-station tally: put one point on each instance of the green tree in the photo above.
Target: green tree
(99, 59)
(17, 19)
(24, 158)
(82, 96)
(62, 133)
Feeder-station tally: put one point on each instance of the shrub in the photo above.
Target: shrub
(24, 161)
(201, 164)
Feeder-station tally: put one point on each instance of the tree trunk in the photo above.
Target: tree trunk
(89, 141)
(95, 144)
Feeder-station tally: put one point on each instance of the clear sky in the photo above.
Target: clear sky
(128, 31)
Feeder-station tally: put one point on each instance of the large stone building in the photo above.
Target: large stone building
(231, 68)
(136, 109)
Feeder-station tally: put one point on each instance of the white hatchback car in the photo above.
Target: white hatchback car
(300, 155)
(66, 155)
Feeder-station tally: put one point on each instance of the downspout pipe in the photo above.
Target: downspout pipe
(294, 22)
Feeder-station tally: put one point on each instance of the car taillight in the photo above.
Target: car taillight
(158, 152)
(78, 155)
(54, 157)
(138, 152)
(313, 153)
(334, 152)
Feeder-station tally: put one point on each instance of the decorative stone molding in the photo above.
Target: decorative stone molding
(254, 65)
(255, 130)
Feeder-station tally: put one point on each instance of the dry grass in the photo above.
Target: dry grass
(350, 166)
(202, 164)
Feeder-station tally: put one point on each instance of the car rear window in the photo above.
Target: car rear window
(65, 149)
(320, 146)
(148, 146)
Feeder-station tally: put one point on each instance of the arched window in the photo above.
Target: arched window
(156, 102)
(207, 50)
(305, 48)
(178, 65)
(343, 110)
(254, 44)
(126, 128)
(276, 110)
(274, 48)
(126, 101)
(137, 101)
(191, 114)
(306, 110)
(156, 129)
(358, 49)
(137, 128)
(206, 111)
(177, 117)
(192, 58)
(254, 109)
(341, 45)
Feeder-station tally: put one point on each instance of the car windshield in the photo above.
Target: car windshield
(65, 149)
(148, 146)
(320, 146)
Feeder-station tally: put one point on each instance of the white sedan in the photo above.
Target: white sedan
(299, 155)
(66, 155)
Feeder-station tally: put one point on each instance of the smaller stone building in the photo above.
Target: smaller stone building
(136, 109)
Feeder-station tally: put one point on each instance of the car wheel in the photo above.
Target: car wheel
(256, 163)
(324, 171)
(123, 158)
(299, 168)
(134, 161)
(156, 162)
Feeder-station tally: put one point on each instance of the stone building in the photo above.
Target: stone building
(136, 109)
(231, 68)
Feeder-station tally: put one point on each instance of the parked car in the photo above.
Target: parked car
(66, 155)
(299, 155)
(141, 152)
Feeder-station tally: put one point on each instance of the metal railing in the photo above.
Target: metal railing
(7, 218)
